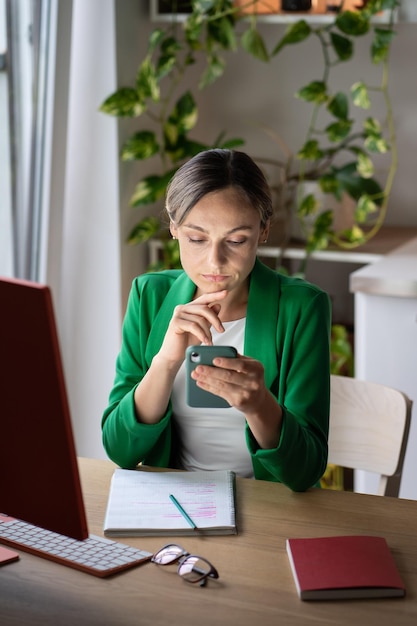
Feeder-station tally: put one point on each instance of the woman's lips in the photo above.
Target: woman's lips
(215, 278)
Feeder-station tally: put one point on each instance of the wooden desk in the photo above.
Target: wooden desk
(255, 585)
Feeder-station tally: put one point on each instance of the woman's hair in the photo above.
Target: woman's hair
(214, 170)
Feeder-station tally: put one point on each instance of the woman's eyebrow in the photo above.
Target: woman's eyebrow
(229, 232)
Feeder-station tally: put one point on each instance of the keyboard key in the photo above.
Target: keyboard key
(95, 555)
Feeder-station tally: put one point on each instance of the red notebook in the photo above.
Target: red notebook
(330, 568)
(8, 556)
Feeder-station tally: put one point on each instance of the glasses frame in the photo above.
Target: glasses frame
(181, 559)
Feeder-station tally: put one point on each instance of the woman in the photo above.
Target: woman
(219, 207)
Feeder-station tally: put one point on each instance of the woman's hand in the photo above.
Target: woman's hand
(241, 382)
(190, 325)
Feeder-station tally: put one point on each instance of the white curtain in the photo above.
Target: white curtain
(63, 182)
(30, 38)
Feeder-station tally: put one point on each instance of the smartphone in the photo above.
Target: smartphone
(204, 355)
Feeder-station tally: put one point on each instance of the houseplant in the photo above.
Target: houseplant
(214, 27)
(170, 110)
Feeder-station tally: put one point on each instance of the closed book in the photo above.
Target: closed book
(8, 556)
(330, 568)
(143, 502)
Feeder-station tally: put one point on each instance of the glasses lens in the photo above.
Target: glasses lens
(168, 554)
(193, 569)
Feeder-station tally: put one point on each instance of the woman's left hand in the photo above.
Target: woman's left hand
(241, 382)
(238, 380)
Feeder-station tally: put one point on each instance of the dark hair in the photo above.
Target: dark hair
(214, 170)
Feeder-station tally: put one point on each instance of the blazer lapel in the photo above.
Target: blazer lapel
(262, 320)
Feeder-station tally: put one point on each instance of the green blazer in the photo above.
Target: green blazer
(287, 329)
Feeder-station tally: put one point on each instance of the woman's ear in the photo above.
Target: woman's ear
(173, 230)
(263, 237)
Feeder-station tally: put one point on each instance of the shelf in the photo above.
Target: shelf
(387, 240)
(268, 12)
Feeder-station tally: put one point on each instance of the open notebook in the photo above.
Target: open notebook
(38, 464)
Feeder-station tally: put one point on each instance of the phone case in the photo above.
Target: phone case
(204, 355)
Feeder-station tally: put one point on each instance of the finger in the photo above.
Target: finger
(208, 298)
(199, 312)
(195, 326)
(238, 364)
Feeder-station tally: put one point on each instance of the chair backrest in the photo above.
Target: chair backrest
(369, 426)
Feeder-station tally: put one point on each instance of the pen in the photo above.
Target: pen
(182, 511)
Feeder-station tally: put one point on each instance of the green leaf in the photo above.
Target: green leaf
(222, 32)
(295, 33)
(365, 166)
(338, 106)
(364, 207)
(231, 144)
(372, 126)
(144, 230)
(124, 102)
(213, 71)
(381, 44)
(182, 119)
(373, 143)
(150, 189)
(308, 205)
(354, 235)
(166, 63)
(319, 238)
(338, 131)
(355, 185)
(329, 183)
(352, 23)
(155, 38)
(193, 28)
(171, 254)
(342, 46)
(142, 145)
(310, 151)
(254, 44)
(360, 96)
(147, 81)
(341, 351)
(170, 46)
(203, 6)
(184, 149)
(313, 92)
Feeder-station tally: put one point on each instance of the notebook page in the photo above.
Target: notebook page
(139, 500)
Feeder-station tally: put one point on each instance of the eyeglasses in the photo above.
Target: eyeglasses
(192, 568)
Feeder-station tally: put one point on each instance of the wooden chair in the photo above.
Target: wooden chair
(369, 426)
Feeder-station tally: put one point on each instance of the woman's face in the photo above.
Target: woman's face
(218, 241)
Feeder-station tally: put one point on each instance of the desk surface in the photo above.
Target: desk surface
(255, 578)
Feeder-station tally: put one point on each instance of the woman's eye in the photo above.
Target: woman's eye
(236, 243)
(193, 240)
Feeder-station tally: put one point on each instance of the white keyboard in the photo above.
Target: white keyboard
(94, 555)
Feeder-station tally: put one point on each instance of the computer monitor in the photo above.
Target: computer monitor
(39, 474)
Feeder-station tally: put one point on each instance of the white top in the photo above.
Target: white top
(212, 439)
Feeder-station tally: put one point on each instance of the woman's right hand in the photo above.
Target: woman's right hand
(190, 325)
